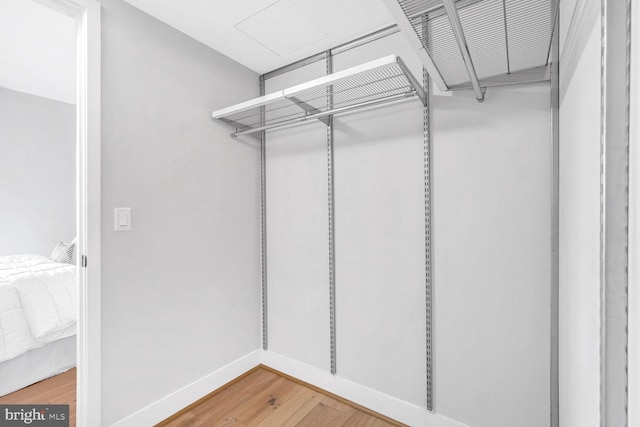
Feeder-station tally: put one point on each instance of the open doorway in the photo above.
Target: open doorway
(50, 186)
(38, 257)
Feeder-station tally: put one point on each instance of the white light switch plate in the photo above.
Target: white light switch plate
(122, 219)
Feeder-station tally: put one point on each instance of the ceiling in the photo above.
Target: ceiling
(267, 34)
(37, 50)
(37, 44)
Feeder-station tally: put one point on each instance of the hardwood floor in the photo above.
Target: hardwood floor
(261, 398)
(58, 390)
(265, 398)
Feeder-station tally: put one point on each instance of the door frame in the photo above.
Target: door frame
(87, 16)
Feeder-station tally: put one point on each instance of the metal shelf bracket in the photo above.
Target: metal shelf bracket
(368, 85)
(464, 44)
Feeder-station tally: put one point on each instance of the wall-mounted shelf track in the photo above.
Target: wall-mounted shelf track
(371, 84)
(472, 44)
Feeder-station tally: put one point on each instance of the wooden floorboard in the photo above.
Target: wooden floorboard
(264, 398)
(261, 398)
(58, 390)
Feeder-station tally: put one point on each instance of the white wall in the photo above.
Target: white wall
(492, 231)
(37, 173)
(37, 50)
(377, 296)
(380, 244)
(492, 246)
(297, 235)
(180, 292)
(579, 214)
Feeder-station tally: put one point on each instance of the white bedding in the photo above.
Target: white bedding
(36, 365)
(38, 303)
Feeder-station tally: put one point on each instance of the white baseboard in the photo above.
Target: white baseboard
(169, 405)
(384, 404)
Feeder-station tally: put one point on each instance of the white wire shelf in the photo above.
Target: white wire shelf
(474, 43)
(371, 84)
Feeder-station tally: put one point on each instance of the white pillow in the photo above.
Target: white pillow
(63, 252)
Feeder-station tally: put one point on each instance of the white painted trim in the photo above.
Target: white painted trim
(88, 54)
(384, 404)
(634, 225)
(169, 405)
(390, 406)
(88, 410)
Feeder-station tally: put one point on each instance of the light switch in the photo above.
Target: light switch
(122, 219)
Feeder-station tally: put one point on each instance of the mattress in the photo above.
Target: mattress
(36, 365)
(38, 317)
(38, 303)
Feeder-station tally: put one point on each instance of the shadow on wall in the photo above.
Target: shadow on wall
(352, 130)
(472, 115)
(582, 23)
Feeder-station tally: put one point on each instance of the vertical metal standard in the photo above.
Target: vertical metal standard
(554, 282)
(614, 211)
(331, 202)
(426, 134)
(456, 26)
(263, 220)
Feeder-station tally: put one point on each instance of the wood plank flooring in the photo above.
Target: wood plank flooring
(58, 390)
(265, 398)
(262, 398)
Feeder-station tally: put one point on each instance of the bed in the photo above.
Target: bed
(38, 317)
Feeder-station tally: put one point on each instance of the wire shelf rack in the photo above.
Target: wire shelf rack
(367, 85)
(467, 44)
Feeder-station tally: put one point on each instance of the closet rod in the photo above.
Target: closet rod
(531, 75)
(362, 106)
(456, 26)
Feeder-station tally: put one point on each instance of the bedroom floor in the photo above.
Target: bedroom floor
(58, 390)
(267, 399)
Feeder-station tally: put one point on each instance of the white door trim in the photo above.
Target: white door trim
(87, 16)
(88, 107)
